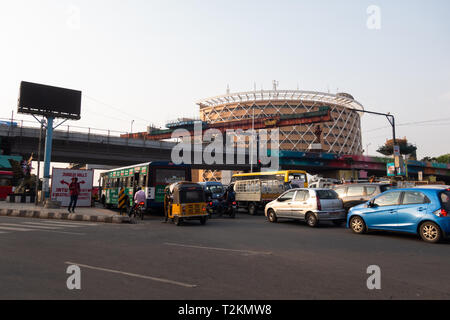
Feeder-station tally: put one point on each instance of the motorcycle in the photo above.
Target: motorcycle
(230, 209)
(137, 211)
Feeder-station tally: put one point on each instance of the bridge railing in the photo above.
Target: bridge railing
(30, 128)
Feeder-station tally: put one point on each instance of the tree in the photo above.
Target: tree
(444, 158)
(405, 148)
(429, 159)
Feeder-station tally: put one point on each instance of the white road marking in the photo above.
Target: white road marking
(2, 232)
(23, 228)
(181, 284)
(218, 249)
(29, 226)
(62, 232)
(14, 229)
(56, 226)
(72, 223)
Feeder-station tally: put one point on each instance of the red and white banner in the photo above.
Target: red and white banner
(61, 178)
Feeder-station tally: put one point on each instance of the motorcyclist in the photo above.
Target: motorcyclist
(229, 197)
(139, 197)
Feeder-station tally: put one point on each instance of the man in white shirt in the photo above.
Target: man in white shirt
(140, 197)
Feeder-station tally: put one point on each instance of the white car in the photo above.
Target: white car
(309, 205)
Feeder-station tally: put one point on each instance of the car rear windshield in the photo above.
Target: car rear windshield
(327, 194)
(445, 200)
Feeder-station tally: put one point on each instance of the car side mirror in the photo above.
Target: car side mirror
(371, 204)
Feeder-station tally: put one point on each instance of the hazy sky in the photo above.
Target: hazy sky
(152, 60)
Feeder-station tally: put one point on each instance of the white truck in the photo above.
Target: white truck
(256, 193)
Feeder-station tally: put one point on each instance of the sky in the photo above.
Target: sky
(151, 61)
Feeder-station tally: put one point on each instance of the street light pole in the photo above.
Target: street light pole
(391, 120)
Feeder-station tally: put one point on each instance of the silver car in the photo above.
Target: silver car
(309, 205)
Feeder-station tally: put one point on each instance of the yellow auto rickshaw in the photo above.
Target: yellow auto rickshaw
(185, 201)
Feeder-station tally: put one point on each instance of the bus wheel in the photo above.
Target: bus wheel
(252, 209)
(203, 220)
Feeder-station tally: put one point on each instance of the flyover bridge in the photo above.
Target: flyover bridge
(89, 147)
(71, 145)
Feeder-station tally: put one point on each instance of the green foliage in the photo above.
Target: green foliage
(444, 158)
(441, 159)
(404, 149)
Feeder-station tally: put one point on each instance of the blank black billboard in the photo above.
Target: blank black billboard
(39, 99)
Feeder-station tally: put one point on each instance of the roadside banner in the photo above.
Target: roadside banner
(61, 178)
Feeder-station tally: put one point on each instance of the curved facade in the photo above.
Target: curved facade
(342, 135)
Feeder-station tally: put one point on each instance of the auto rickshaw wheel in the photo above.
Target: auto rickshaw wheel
(178, 221)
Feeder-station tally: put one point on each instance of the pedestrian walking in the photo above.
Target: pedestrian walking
(74, 189)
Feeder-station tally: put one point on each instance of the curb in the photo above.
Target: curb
(63, 216)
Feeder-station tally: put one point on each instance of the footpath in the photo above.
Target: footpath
(30, 210)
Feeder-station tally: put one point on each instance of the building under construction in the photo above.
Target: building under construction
(307, 120)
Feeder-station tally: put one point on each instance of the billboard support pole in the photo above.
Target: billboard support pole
(36, 190)
(48, 156)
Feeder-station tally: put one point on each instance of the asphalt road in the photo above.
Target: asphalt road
(245, 258)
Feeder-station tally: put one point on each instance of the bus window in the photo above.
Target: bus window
(5, 182)
(136, 180)
(169, 176)
(142, 179)
(297, 176)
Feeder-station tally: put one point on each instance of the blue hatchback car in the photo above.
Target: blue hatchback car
(422, 211)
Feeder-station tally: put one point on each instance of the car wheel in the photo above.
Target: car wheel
(358, 225)
(430, 232)
(252, 209)
(272, 216)
(312, 220)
